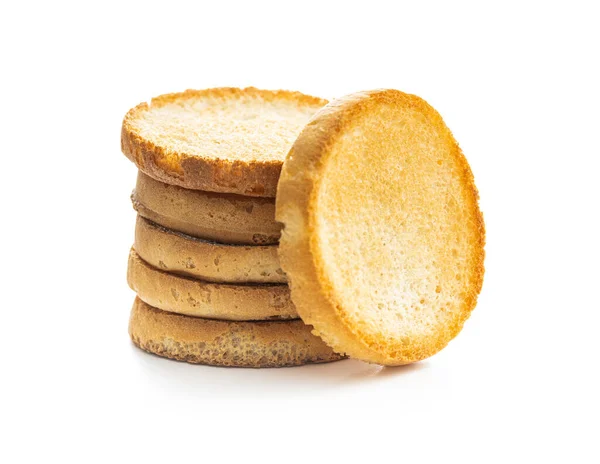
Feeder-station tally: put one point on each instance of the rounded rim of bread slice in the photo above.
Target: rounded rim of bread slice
(390, 274)
(181, 254)
(199, 298)
(220, 217)
(225, 343)
(240, 172)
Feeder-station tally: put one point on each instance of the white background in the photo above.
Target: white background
(517, 83)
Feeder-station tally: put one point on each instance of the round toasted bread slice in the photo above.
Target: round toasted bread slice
(220, 140)
(224, 218)
(182, 254)
(225, 343)
(383, 239)
(199, 298)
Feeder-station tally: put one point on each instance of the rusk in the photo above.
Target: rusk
(221, 140)
(194, 297)
(182, 254)
(223, 343)
(224, 218)
(383, 239)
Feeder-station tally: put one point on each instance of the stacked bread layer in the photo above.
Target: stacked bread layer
(225, 343)
(209, 285)
(223, 218)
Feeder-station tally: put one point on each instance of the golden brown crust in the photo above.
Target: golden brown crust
(194, 297)
(222, 343)
(244, 177)
(301, 198)
(224, 218)
(181, 254)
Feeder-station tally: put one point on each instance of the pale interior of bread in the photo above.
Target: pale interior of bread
(243, 127)
(398, 230)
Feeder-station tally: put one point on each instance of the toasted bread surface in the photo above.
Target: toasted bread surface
(224, 218)
(225, 343)
(383, 239)
(195, 297)
(182, 254)
(220, 140)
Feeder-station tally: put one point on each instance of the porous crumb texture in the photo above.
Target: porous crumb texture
(182, 254)
(222, 140)
(195, 297)
(222, 343)
(383, 237)
(224, 218)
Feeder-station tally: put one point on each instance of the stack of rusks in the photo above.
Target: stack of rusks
(204, 263)
(382, 236)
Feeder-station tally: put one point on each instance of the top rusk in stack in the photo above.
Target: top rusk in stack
(375, 238)
(204, 263)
